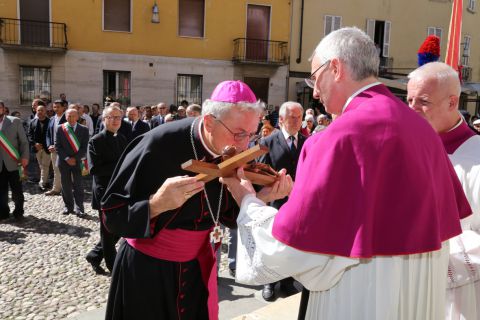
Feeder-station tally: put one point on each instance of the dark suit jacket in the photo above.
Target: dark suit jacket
(64, 149)
(139, 128)
(51, 128)
(104, 150)
(157, 120)
(37, 134)
(280, 156)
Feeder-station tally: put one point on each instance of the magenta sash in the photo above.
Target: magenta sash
(181, 246)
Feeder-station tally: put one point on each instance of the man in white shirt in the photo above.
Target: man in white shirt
(357, 230)
(434, 93)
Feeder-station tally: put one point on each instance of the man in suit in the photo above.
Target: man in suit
(284, 149)
(104, 150)
(13, 154)
(71, 145)
(54, 123)
(160, 118)
(37, 136)
(138, 126)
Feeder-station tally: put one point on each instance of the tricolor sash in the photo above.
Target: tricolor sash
(9, 148)
(71, 137)
(11, 151)
(84, 167)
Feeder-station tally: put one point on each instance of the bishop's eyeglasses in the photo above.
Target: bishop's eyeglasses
(311, 82)
(239, 136)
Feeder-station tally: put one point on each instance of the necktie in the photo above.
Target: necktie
(293, 149)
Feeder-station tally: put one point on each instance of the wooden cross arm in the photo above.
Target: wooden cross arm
(209, 171)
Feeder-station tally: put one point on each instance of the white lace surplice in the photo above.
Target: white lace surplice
(463, 294)
(391, 287)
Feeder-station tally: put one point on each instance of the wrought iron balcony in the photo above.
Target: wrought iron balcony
(255, 51)
(30, 34)
(466, 73)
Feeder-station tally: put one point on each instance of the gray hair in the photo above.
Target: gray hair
(309, 117)
(444, 75)
(219, 109)
(287, 105)
(194, 107)
(353, 47)
(109, 109)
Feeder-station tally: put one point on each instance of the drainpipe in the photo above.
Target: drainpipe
(299, 58)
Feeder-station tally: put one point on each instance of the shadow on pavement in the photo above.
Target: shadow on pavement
(12, 237)
(226, 286)
(43, 226)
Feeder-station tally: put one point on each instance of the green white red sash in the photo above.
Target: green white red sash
(11, 151)
(75, 144)
(71, 137)
(9, 148)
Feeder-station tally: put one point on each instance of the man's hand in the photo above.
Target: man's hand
(24, 162)
(71, 161)
(238, 186)
(38, 146)
(51, 148)
(278, 190)
(173, 193)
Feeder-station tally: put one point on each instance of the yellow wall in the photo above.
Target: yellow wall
(225, 20)
(410, 20)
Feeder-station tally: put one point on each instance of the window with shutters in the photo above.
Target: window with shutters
(435, 31)
(117, 15)
(471, 5)
(332, 23)
(191, 14)
(189, 87)
(379, 32)
(466, 50)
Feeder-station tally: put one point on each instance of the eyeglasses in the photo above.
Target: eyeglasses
(240, 136)
(311, 82)
(114, 117)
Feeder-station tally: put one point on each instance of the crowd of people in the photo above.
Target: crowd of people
(374, 210)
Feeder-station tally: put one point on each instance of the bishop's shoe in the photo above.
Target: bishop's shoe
(268, 292)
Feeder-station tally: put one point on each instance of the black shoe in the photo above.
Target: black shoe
(80, 213)
(268, 292)
(66, 211)
(96, 267)
(18, 214)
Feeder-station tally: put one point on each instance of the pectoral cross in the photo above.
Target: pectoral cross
(216, 235)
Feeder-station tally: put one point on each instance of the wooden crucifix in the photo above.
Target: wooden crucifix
(209, 171)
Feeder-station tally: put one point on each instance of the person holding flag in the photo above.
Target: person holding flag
(71, 145)
(14, 155)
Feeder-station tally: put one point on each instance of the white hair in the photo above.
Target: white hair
(309, 117)
(109, 109)
(445, 76)
(353, 47)
(288, 105)
(219, 109)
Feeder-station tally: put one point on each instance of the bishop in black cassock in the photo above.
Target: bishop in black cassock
(145, 286)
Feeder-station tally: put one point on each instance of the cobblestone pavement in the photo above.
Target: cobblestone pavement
(43, 271)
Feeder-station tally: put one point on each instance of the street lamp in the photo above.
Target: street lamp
(155, 18)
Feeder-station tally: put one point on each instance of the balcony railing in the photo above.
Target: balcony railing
(466, 73)
(260, 51)
(30, 34)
